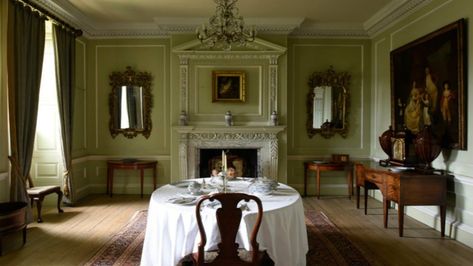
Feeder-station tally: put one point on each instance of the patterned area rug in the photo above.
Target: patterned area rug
(126, 246)
(327, 245)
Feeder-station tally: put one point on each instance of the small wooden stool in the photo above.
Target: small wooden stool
(37, 195)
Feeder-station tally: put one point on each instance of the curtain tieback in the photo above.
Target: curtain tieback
(65, 187)
(15, 166)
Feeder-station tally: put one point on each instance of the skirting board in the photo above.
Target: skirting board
(455, 230)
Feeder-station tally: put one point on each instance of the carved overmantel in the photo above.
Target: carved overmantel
(257, 50)
(262, 138)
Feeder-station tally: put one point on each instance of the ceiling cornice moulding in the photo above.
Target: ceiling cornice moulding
(391, 14)
(332, 34)
(293, 27)
(66, 12)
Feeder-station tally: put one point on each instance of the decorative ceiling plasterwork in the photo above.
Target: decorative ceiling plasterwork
(294, 27)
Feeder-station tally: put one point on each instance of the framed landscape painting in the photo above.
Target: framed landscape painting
(428, 85)
(228, 86)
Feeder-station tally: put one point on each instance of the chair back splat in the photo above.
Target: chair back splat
(228, 221)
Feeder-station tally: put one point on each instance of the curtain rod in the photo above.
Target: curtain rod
(51, 16)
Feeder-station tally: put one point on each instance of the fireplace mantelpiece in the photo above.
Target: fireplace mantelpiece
(262, 138)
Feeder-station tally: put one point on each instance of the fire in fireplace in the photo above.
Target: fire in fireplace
(245, 161)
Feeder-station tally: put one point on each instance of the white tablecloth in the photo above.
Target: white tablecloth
(172, 232)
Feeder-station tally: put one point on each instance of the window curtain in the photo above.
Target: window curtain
(64, 48)
(25, 47)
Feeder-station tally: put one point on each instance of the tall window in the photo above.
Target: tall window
(47, 156)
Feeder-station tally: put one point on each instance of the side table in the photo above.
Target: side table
(406, 188)
(320, 166)
(133, 165)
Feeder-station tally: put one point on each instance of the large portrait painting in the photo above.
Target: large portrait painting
(428, 85)
(228, 86)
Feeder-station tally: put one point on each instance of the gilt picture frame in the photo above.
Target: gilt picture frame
(228, 86)
(428, 77)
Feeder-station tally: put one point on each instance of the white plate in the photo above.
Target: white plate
(183, 200)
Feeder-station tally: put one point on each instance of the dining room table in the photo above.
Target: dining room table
(172, 231)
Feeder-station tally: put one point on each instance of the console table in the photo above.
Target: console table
(320, 166)
(129, 164)
(409, 187)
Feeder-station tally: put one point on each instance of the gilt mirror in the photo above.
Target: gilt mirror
(327, 103)
(130, 103)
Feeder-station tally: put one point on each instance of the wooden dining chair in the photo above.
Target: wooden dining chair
(37, 194)
(228, 222)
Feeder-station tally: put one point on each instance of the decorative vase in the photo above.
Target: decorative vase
(274, 118)
(385, 142)
(228, 119)
(427, 148)
(183, 118)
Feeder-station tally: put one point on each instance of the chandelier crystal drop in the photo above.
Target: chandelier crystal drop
(225, 28)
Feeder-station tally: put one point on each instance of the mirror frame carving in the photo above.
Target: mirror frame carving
(334, 79)
(131, 78)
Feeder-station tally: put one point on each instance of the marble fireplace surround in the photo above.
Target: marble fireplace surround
(262, 138)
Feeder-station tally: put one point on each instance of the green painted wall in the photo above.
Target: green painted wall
(106, 56)
(435, 15)
(305, 57)
(93, 143)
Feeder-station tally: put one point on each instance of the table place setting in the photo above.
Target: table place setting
(261, 187)
(191, 196)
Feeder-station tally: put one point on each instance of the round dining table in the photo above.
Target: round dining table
(172, 231)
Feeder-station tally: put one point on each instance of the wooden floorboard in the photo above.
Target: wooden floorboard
(421, 245)
(74, 236)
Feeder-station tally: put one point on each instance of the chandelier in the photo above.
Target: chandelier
(225, 27)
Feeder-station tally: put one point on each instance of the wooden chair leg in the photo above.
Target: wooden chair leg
(39, 205)
(24, 235)
(357, 196)
(59, 199)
